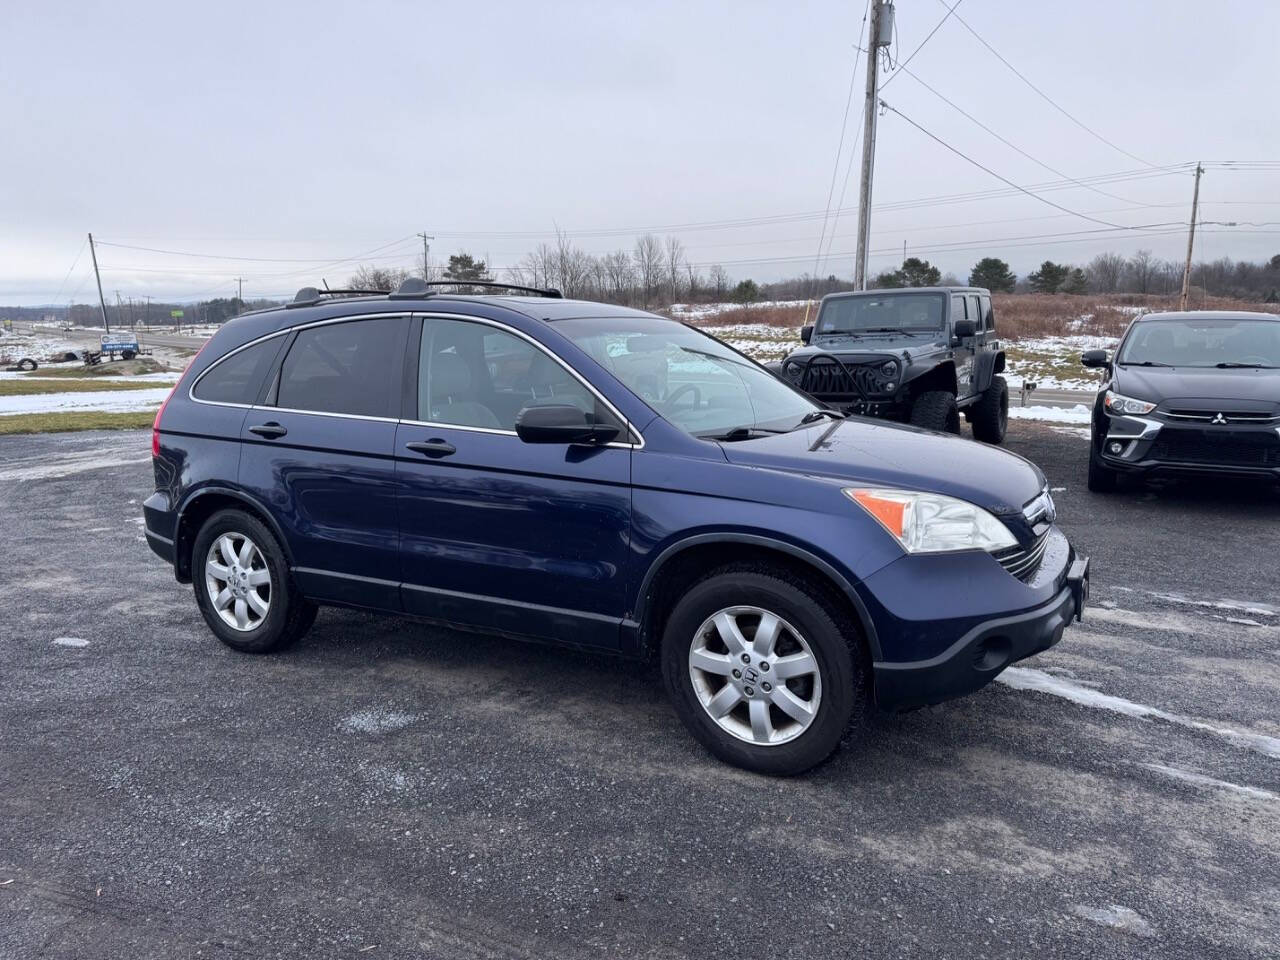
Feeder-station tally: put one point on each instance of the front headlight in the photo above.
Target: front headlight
(889, 369)
(932, 523)
(1121, 405)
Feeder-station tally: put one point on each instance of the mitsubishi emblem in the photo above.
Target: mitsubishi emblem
(1219, 419)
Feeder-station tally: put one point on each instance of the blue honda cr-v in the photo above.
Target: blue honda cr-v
(599, 476)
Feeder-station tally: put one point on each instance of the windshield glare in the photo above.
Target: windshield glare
(893, 312)
(1196, 342)
(690, 378)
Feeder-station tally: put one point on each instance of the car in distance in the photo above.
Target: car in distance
(1187, 394)
(921, 355)
(594, 475)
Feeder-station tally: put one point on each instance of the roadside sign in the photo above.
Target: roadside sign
(8, 324)
(176, 314)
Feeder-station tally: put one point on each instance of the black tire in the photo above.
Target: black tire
(127, 354)
(289, 614)
(843, 667)
(26, 363)
(990, 415)
(1101, 480)
(936, 410)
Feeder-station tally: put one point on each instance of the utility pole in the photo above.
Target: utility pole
(426, 256)
(879, 36)
(239, 295)
(1191, 239)
(97, 276)
(147, 317)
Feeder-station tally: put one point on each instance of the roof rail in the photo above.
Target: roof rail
(414, 287)
(308, 296)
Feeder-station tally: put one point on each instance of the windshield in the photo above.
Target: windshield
(690, 378)
(1200, 342)
(887, 313)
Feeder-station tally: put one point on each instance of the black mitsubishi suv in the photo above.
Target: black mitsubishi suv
(1193, 393)
(919, 355)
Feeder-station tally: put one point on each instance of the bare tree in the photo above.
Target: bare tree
(620, 275)
(1104, 272)
(674, 267)
(719, 281)
(378, 278)
(648, 264)
(1142, 269)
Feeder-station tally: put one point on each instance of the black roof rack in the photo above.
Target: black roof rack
(312, 295)
(414, 287)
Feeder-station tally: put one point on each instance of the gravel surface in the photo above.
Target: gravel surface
(390, 789)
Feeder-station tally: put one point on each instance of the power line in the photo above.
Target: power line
(937, 26)
(1040, 163)
(218, 256)
(1034, 196)
(844, 124)
(79, 253)
(1048, 99)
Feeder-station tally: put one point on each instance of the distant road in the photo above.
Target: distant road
(89, 338)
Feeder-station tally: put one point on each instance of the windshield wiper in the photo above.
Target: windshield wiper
(813, 416)
(1231, 364)
(1145, 363)
(738, 433)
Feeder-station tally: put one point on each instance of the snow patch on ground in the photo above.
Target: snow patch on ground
(375, 720)
(1200, 780)
(698, 311)
(1025, 678)
(71, 641)
(1077, 414)
(48, 468)
(1118, 918)
(114, 401)
(1252, 607)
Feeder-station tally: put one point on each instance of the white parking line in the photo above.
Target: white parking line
(49, 468)
(1025, 678)
(1200, 780)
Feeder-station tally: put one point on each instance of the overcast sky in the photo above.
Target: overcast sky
(315, 132)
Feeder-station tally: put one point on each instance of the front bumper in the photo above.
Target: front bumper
(1159, 446)
(976, 658)
(947, 624)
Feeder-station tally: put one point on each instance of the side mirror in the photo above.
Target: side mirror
(806, 333)
(1094, 358)
(561, 423)
(965, 329)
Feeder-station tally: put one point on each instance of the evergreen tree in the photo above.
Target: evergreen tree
(1076, 282)
(746, 292)
(1049, 278)
(992, 273)
(914, 272)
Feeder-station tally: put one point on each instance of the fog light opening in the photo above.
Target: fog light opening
(992, 653)
(1116, 447)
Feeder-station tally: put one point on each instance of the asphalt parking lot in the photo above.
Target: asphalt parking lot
(391, 789)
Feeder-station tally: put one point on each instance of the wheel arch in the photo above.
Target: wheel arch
(941, 376)
(204, 503)
(684, 561)
(986, 367)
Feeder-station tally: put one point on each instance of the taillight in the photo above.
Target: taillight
(155, 424)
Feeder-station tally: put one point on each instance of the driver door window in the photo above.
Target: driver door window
(475, 375)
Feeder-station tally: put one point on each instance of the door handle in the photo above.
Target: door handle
(270, 430)
(432, 448)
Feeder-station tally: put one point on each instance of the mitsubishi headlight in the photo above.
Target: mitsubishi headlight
(1121, 405)
(932, 523)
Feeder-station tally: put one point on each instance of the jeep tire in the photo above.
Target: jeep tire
(990, 415)
(936, 410)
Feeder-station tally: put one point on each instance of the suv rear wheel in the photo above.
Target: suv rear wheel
(758, 667)
(990, 415)
(936, 410)
(242, 585)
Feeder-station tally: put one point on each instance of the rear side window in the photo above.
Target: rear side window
(351, 368)
(238, 377)
(988, 316)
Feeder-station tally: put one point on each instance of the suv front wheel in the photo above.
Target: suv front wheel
(936, 410)
(242, 585)
(760, 671)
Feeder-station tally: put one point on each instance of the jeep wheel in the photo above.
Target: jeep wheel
(936, 410)
(242, 585)
(759, 669)
(990, 416)
(1101, 480)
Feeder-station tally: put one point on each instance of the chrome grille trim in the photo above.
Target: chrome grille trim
(1023, 563)
(1231, 416)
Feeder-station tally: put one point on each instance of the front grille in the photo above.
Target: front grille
(1023, 562)
(1231, 416)
(1206, 446)
(825, 378)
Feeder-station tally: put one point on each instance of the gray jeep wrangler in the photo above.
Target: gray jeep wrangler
(921, 355)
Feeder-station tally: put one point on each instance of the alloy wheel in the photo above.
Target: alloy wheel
(238, 581)
(755, 675)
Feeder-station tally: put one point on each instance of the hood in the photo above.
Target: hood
(1260, 388)
(849, 345)
(875, 453)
